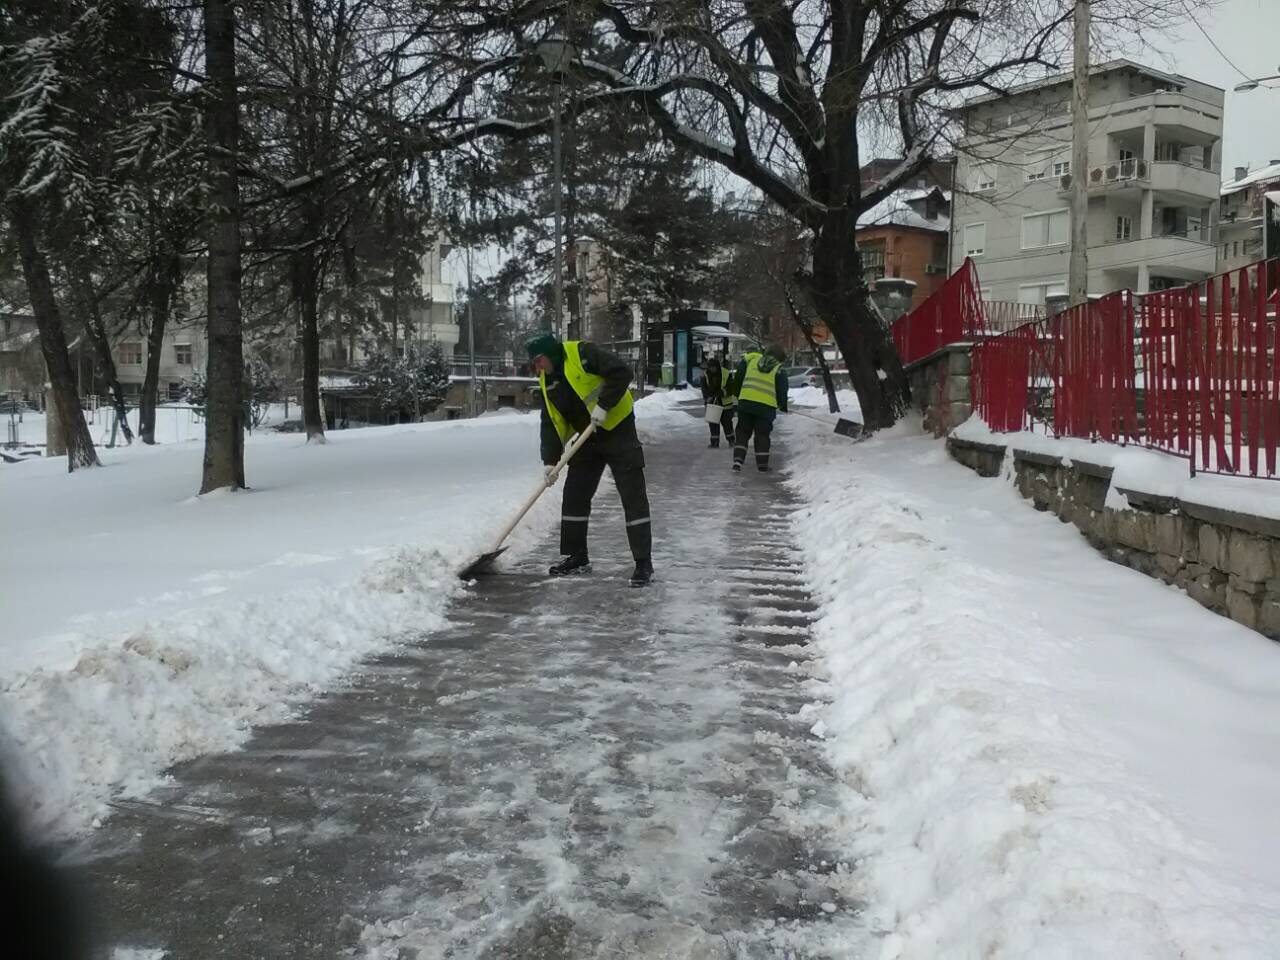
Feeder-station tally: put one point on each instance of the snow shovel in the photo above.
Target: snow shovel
(846, 428)
(483, 564)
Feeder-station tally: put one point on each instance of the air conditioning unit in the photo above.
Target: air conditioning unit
(931, 269)
(1065, 182)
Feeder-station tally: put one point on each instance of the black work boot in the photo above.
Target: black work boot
(642, 574)
(714, 442)
(737, 466)
(576, 563)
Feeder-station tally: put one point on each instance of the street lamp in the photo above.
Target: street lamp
(556, 53)
(1254, 84)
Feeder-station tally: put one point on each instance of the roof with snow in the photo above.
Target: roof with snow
(1261, 175)
(899, 210)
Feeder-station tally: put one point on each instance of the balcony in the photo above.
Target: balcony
(1195, 184)
(1191, 253)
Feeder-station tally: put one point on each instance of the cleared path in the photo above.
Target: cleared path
(574, 769)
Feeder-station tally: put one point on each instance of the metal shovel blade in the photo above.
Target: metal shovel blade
(481, 565)
(849, 428)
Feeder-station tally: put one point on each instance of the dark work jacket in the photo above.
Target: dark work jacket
(713, 386)
(617, 380)
(761, 411)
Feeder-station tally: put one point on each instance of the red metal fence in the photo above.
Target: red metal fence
(1192, 371)
(951, 314)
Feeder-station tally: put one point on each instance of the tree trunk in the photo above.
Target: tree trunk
(833, 405)
(841, 300)
(87, 301)
(53, 341)
(163, 281)
(224, 416)
(306, 296)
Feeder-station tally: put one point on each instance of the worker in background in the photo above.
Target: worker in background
(583, 384)
(760, 384)
(713, 391)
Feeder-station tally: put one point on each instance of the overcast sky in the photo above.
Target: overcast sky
(1248, 31)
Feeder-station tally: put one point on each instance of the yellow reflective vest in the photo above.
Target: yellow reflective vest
(588, 387)
(758, 386)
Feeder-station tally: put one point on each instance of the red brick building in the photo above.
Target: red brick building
(908, 236)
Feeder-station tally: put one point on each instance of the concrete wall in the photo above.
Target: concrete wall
(940, 388)
(1227, 561)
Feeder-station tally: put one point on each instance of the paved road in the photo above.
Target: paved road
(574, 769)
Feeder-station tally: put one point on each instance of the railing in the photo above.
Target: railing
(1193, 372)
(951, 314)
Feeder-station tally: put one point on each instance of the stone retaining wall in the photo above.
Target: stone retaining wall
(940, 388)
(1229, 562)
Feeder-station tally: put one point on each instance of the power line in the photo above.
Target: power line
(1192, 17)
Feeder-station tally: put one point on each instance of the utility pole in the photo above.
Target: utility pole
(471, 325)
(1079, 276)
(555, 163)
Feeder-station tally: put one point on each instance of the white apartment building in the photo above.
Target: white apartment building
(1244, 205)
(1153, 183)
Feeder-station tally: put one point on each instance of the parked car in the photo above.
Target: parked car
(812, 377)
(15, 406)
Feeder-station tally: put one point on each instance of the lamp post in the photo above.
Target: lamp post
(556, 53)
(1254, 84)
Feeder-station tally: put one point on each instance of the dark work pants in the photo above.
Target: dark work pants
(726, 419)
(580, 487)
(751, 427)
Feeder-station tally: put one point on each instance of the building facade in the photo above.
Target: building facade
(907, 237)
(1153, 183)
(1241, 226)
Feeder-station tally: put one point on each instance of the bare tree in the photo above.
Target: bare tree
(784, 95)
(224, 411)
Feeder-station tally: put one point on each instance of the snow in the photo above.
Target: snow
(1056, 757)
(894, 210)
(144, 625)
(817, 397)
(1261, 175)
(1141, 470)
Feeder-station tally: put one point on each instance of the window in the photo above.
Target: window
(182, 354)
(1045, 229)
(984, 179)
(1036, 293)
(175, 391)
(131, 354)
(975, 239)
(1125, 155)
(1061, 168)
(1124, 228)
(1225, 247)
(1035, 173)
(1235, 248)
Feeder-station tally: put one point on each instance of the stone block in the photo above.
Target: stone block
(1144, 563)
(1203, 591)
(957, 388)
(1182, 578)
(1269, 617)
(1135, 528)
(1243, 608)
(1171, 534)
(1212, 546)
(1249, 556)
(1251, 587)
(960, 411)
(959, 363)
(1169, 565)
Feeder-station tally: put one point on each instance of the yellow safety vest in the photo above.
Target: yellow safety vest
(588, 387)
(758, 386)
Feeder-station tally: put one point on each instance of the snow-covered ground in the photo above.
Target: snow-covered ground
(1057, 757)
(143, 624)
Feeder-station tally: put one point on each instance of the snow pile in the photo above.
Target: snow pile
(1139, 469)
(817, 397)
(663, 409)
(144, 625)
(1055, 756)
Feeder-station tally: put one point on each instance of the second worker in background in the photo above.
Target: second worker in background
(760, 383)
